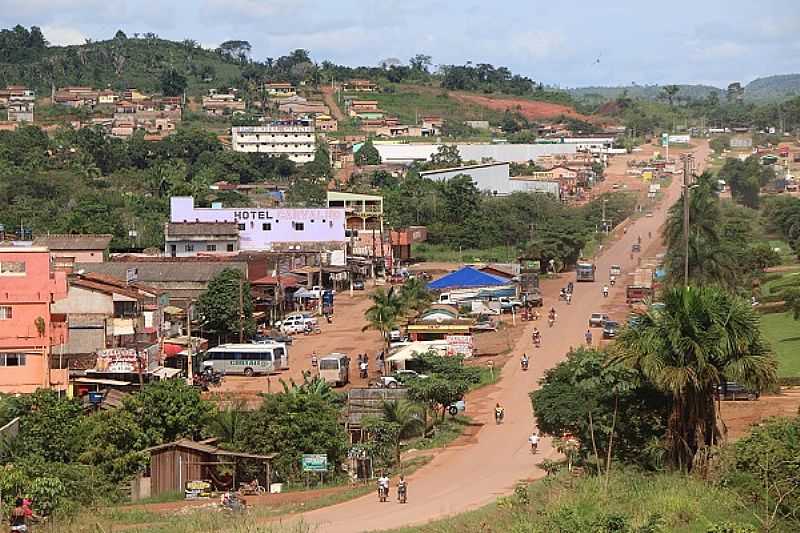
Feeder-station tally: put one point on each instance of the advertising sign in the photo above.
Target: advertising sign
(459, 345)
(117, 360)
(679, 139)
(314, 462)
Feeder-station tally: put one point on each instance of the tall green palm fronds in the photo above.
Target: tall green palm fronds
(702, 337)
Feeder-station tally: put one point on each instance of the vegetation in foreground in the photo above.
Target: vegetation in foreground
(629, 502)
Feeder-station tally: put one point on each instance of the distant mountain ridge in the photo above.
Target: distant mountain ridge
(768, 88)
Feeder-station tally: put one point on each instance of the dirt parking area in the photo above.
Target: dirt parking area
(530, 109)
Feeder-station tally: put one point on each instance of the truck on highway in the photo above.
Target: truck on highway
(584, 271)
(641, 288)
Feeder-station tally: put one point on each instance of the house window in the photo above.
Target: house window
(230, 248)
(266, 226)
(5, 312)
(190, 247)
(12, 268)
(298, 226)
(12, 359)
(241, 227)
(211, 247)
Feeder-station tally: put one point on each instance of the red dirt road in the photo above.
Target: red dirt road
(464, 478)
(530, 109)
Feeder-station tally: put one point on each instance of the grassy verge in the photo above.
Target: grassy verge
(632, 501)
(783, 333)
(410, 104)
(446, 432)
(443, 253)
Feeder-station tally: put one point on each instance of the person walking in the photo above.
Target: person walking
(18, 518)
(534, 441)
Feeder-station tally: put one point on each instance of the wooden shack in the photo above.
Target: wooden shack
(174, 463)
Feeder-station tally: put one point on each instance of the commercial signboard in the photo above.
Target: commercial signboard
(680, 139)
(117, 360)
(314, 462)
(459, 345)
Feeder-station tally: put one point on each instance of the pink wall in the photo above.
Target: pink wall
(29, 295)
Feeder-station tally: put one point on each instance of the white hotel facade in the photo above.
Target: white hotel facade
(294, 139)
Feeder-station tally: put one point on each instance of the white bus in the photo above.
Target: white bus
(248, 359)
(335, 368)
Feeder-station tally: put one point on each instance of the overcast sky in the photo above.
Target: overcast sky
(571, 43)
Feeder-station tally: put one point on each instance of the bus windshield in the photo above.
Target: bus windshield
(329, 364)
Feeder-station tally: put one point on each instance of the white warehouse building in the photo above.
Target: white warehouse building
(294, 139)
(494, 178)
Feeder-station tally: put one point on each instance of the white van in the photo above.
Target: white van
(248, 359)
(335, 369)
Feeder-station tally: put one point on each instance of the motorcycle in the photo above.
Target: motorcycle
(498, 416)
(524, 364)
(232, 502)
(401, 493)
(605, 293)
(383, 493)
(312, 330)
(551, 321)
(612, 281)
(537, 341)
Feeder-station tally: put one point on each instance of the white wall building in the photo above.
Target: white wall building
(495, 178)
(294, 139)
(405, 154)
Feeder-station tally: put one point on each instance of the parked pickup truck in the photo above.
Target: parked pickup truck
(507, 304)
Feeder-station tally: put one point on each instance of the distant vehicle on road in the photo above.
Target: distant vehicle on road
(247, 359)
(597, 320)
(335, 369)
(358, 285)
(730, 390)
(610, 328)
(636, 247)
(399, 378)
(584, 271)
(615, 270)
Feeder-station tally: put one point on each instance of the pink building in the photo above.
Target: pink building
(29, 331)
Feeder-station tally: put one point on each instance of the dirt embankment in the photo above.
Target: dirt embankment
(530, 109)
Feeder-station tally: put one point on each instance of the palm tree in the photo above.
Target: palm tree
(414, 295)
(383, 314)
(407, 418)
(702, 337)
(708, 261)
(227, 424)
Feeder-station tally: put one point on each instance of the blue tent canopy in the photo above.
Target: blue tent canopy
(466, 278)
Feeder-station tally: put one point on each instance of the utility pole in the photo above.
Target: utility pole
(687, 170)
(241, 312)
(319, 299)
(190, 369)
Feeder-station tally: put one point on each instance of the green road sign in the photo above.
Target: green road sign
(315, 462)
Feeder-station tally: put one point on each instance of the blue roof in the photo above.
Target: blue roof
(467, 277)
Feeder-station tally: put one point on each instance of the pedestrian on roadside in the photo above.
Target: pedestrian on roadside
(314, 359)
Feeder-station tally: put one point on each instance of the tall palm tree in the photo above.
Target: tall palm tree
(702, 337)
(707, 259)
(228, 424)
(414, 295)
(382, 316)
(407, 417)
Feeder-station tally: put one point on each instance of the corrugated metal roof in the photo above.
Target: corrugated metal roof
(152, 272)
(74, 242)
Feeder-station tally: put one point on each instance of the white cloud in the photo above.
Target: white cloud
(62, 35)
(253, 8)
(537, 44)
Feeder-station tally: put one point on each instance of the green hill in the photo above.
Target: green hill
(121, 62)
(769, 88)
(773, 87)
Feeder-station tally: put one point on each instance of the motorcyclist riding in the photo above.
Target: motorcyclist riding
(524, 361)
(499, 412)
(402, 490)
(605, 291)
(383, 486)
(612, 280)
(569, 298)
(536, 336)
(534, 441)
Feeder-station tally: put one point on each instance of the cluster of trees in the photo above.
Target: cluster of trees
(65, 457)
(746, 178)
(725, 246)
(457, 215)
(390, 306)
(142, 61)
(86, 182)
